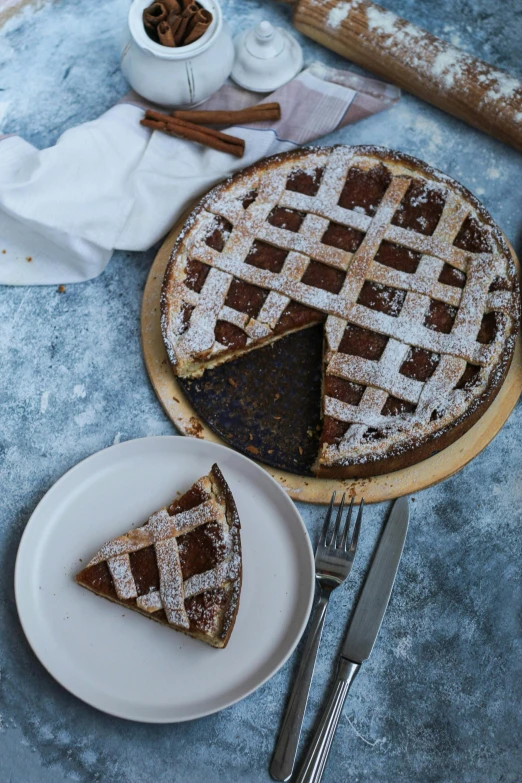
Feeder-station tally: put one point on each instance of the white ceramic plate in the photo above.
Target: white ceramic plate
(117, 660)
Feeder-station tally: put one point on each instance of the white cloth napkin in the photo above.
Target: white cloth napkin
(113, 184)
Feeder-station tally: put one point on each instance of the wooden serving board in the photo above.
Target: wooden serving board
(303, 487)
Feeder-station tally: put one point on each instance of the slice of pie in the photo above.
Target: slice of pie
(182, 568)
(412, 278)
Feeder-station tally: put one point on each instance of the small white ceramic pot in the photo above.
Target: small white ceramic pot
(181, 76)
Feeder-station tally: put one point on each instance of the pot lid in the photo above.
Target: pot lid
(266, 58)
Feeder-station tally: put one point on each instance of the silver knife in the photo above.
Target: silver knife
(360, 636)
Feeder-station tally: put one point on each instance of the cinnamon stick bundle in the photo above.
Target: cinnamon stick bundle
(182, 22)
(222, 142)
(263, 111)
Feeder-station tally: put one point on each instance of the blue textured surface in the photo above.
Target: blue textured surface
(439, 701)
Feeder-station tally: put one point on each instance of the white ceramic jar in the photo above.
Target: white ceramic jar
(180, 76)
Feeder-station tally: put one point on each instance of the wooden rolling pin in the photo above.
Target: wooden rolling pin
(400, 52)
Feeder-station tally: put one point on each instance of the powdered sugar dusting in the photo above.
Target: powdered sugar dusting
(150, 602)
(171, 582)
(210, 580)
(122, 577)
(442, 63)
(339, 12)
(407, 296)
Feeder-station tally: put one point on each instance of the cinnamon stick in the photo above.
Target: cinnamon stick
(166, 38)
(189, 10)
(153, 15)
(180, 32)
(198, 25)
(174, 21)
(222, 142)
(263, 111)
(172, 6)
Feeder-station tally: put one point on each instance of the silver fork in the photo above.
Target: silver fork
(333, 562)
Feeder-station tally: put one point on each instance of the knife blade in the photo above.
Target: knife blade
(360, 637)
(373, 601)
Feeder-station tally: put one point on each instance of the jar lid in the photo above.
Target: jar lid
(266, 58)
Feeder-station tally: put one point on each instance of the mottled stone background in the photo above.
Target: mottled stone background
(440, 699)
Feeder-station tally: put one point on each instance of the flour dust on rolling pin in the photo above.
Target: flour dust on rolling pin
(440, 73)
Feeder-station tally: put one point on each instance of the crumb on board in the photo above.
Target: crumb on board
(252, 449)
(232, 382)
(195, 428)
(28, 258)
(61, 289)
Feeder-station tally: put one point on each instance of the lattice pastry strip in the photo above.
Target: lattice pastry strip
(415, 283)
(121, 573)
(363, 257)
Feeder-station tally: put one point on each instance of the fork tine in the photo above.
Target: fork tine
(324, 531)
(347, 525)
(337, 521)
(355, 534)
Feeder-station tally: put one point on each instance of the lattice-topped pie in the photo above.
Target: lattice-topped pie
(413, 280)
(182, 567)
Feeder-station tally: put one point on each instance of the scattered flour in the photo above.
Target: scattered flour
(44, 402)
(504, 87)
(87, 416)
(454, 38)
(403, 648)
(79, 391)
(493, 173)
(117, 439)
(338, 14)
(447, 66)
(381, 20)
(371, 743)
(4, 108)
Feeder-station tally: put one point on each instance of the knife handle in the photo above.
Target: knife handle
(317, 756)
(285, 751)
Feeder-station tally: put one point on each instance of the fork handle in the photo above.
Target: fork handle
(317, 756)
(286, 748)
